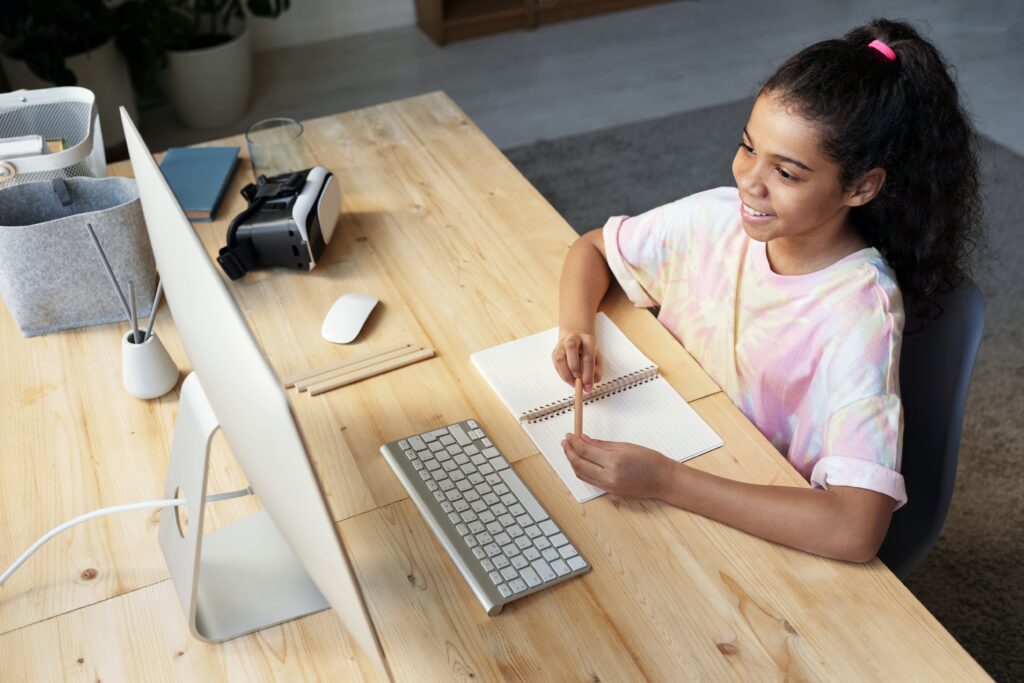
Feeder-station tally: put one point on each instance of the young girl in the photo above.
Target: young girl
(855, 179)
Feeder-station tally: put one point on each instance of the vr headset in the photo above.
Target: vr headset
(288, 223)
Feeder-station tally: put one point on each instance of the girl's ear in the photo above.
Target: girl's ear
(866, 187)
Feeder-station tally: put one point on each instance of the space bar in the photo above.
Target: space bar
(526, 498)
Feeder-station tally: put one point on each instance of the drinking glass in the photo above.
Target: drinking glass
(276, 146)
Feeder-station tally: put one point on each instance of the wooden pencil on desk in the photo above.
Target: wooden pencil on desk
(577, 409)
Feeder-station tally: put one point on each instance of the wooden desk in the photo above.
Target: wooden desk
(464, 254)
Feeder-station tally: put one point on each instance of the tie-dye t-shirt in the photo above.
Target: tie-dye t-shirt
(812, 360)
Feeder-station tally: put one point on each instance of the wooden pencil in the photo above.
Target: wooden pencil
(291, 381)
(371, 371)
(577, 409)
(359, 364)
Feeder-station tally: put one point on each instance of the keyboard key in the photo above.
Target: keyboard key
(417, 465)
(431, 484)
(462, 529)
(517, 585)
(484, 538)
(519, 562)
(510, 550)
(494, 480)
(500, 489)
(460, 435)
(550, 554)
(472, 495)
(560, 567)
(495, 527)
(485, 561)
(558, 540)
(517, 510)
(485, 440)
(487, 468)
(479, 554)
(476, 527)
(542, 542)
(472, 424)
(531, 577)
(524, 520)
(461, 459)
(500, 561)
(487, 517)
(454, 516)
(566, 551)
(471, 450)
(403, 444)
(471, 541)
(514, 531)
(510, 573)
(446, 440)
(549, 527)
(502, 539)
(531, 553)
(506, 520)
(504, 590)
(523, 542)
(478, 505)
(491, 550)
(533, 531)
(460, 506)
(439, 497)
(495, 577)
(417, 443)
(577, 563)
(543, 569)
(523, 494)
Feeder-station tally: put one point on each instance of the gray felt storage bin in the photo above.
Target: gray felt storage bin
(51, 275)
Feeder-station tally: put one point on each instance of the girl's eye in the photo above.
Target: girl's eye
(747, 148)
(786, 175)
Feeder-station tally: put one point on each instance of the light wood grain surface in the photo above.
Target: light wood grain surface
(463, 254)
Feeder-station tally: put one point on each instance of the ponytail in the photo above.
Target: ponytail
(903, 115)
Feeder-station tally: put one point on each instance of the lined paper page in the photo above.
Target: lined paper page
(651, 414)
(522, 375)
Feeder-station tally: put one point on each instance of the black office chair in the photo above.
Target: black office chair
(935, 372)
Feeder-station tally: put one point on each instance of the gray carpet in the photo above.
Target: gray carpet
(971, 581)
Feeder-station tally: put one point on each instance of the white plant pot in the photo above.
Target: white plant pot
(103, 71)
(210, 87)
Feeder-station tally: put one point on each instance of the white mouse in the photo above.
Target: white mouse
(346, 317)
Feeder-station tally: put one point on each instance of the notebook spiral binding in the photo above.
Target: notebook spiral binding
(603, 390)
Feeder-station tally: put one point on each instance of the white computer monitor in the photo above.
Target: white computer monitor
(286, 560)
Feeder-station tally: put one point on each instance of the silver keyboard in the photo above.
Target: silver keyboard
(500, 537)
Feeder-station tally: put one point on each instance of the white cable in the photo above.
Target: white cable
(165, 503)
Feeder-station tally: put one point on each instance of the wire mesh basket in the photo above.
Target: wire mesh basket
(66, 116)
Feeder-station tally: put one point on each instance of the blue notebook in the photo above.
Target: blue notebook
(198, 176)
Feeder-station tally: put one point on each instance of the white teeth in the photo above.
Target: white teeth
(754, 212)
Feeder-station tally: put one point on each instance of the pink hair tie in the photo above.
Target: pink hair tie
(884, 49)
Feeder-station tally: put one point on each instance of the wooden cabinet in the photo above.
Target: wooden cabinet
(448, 20)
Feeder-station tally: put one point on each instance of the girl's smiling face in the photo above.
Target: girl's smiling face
(789, 189)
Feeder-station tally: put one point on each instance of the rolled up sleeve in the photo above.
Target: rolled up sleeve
(863, 447)
(634, 281)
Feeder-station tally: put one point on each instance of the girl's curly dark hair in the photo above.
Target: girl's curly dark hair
(906, 117)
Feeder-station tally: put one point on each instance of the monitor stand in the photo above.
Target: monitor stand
(245, 577)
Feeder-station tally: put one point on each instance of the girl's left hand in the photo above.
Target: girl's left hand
(623, 469)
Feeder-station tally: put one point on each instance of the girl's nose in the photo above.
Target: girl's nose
(750, 182)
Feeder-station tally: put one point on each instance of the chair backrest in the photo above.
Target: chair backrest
(935, 373)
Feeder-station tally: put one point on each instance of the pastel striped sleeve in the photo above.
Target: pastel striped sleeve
(863, 446)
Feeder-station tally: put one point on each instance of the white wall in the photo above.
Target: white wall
(310, 21)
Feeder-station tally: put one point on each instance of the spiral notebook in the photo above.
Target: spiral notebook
(632, 402)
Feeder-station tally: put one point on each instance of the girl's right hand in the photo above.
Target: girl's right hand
(577, 355)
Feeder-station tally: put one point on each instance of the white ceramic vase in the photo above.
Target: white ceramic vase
(210, 87)
(104, 72)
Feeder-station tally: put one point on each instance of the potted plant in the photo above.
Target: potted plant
(198, 50)
(68, 42)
